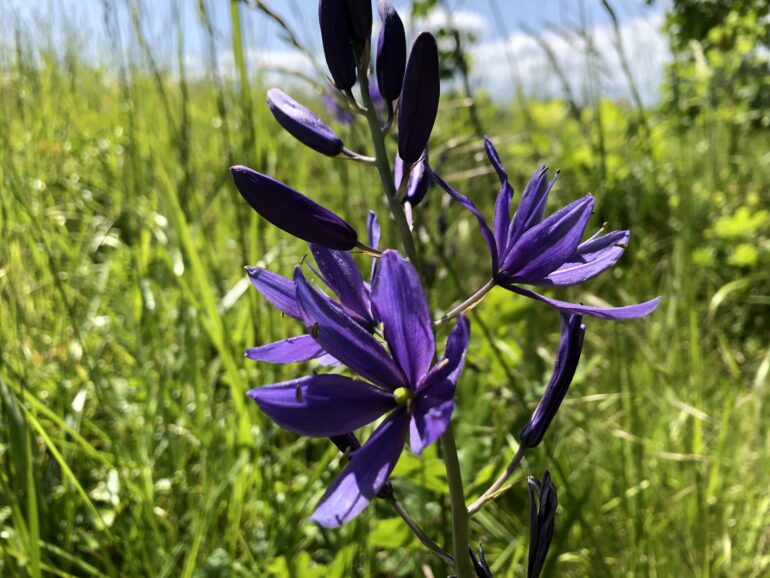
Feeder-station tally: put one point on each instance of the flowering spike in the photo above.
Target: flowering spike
(391, 52)
(335, 35)
(303, 124)
(419, 99)
(567, 357)
(292, 211)
(359, 19)
(542, 507)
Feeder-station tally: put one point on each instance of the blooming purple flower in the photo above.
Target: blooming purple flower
(419, 99)
(567, 357)
(547, 251)
(401, 383)
(292, 211)
(339, 272)
(303, 124)
(542, 507)
(391, 52)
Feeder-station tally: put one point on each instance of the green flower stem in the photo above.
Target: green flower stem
(468, 304)
(421, 535)
(460, 517)
(383, 166)
(494, 490)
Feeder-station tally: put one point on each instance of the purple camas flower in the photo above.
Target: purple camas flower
(292, 211)
(419, 99)
(391, 52)
(336, 38)
(567, 357)
(303, 124)
(339, 272)
(547, 251)
(542, 508)
(401, 383)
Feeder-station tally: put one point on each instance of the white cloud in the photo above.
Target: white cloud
(499, 64)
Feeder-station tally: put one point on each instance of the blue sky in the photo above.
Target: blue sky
(503, 53)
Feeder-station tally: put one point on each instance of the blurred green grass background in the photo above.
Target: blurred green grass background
(128, 448)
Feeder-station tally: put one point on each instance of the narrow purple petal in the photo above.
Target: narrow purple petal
(291, 350)
(303, 124)
(547, 245)
(567, 358)
(322, 405)
(419, 99)
(292, 211)
(373, 230)
(613, 313)
(345, 339)
(401, 305)
(532, 206)
(368, 470)
(341, 274)
(391, 51)
(278, 290)
(430, 419)
(335, 35)
(591, 258)
(442, 377)
(486, 232)
(502, 218)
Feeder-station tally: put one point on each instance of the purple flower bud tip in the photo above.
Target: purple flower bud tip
(391, 52)
(335, 35)
(292, 211)
(419, 99)
(359, 19)
(302, 124)
(542, 503)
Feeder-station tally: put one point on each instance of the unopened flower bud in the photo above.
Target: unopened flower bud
(303, 124)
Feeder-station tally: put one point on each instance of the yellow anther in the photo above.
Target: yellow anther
(403, 395)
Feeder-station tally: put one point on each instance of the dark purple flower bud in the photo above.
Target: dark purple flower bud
(419, 180)
(302, 124)
(480, 565)
(292, 211)
(542, 508)
(419, 99)
(335, 34)
(359, 19)
(391, 52)
(567, 357)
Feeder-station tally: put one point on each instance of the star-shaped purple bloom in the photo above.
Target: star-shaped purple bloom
(340, 273)
(401, 382)
(533, 250)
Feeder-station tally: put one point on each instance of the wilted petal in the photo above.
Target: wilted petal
(336, 38)
(567, 357)
(613, 313)
(532, 206)
(391, 52)
(292, 211)
(365, 475)
(543, 503)
(547, 245)
(359, 19)
(322, 405)
(486, 232)
(278, 290)
(430, 418)
(341, 274)
(303, 124)
(591, 258)
(291, 350)
(401, 305)
(345, 339)
(419, 99)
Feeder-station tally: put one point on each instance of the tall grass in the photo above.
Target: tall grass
(128, 448)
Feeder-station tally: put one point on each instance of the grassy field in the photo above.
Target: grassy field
(128, 448)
